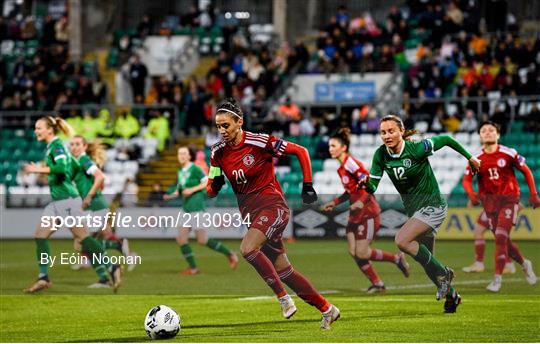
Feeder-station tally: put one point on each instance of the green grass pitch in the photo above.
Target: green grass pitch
(221, 305)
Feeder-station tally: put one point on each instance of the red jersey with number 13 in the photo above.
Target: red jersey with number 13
(250, 169)
(497, 183)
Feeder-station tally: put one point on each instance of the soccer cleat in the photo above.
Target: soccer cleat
(100, 285)
(233, 260)
(509, 268)
(40, 284)
(529, 272)
(403, 265)
(452, 302)
(329, 317)
(287, 306)
(475, 267)
(190, 271)
(132, 266)
(376, 288)
(444, 283)
(125, 247)
(116, 277)
(495, 285)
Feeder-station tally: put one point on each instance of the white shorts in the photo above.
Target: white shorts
(432, 216)
(97, 223)
(71, 207)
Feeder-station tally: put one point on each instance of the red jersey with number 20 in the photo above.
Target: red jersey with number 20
(250, 169)
(497, 183)
(349, 173)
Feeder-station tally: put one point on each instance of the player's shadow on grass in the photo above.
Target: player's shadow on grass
(134, 339)
(244, 324)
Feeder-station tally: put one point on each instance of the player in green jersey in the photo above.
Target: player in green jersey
(191, 187)
(406, 163)
(89, 178)
(66, 206)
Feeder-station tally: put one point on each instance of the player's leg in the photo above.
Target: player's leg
(406, 241)
(480, 228)
(364, 251)
(216, 245)
(275, 251)
(362, 255)
(183, 241)
(43, 252)
(78, 248)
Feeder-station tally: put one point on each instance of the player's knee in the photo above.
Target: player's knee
(401, 243)
(501, 237)
(246, 250)
(363, 253)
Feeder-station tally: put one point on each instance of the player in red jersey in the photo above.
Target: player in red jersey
(246, 159)
(480, 228)
(364, 216)
(499, 193)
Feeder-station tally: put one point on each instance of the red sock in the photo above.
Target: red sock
(368, 270)
(380, 255)
(514, 252)
(501, 250)
(303, 288)
(266, 270)
(479, 249)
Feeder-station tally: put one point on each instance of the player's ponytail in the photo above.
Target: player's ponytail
(408, 132)
(95, 150)
(58, 124)
(344, 136)
(231, 108)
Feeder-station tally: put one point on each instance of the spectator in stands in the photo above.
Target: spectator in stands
(155, 197)
(158, 128)
(532, 120)
(61, 30)
(144, 27)
(501, 117)
(200, 160)
(137, 76)
(194, 107)
(126, 125)
(469, 123)
(129, 194)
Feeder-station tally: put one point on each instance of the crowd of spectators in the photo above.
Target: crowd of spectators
(35, 70)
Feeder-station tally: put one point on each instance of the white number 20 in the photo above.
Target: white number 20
(239, 176)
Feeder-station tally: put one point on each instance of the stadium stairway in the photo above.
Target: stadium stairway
(163, 170)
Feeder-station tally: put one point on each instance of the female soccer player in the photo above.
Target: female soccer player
(246, 159)
(406, 163)
(191, 183)
(66, 202)
(498, 190)
(89, 158)
(364, 219)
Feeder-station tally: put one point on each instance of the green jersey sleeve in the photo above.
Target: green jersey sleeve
(422, 149)
(446, 140)
(87, 165)
(199, 174)
(60, 158)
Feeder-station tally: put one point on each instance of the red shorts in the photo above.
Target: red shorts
(505, 217)
(483, 220)
(366, 229)
(271, 222)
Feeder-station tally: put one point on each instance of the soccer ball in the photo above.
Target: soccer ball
(162, 322)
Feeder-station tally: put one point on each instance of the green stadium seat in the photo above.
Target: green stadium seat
(317, 165)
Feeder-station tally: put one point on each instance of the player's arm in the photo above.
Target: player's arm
(215, 181)
(371, 182)
(439, 142)
(308, 193)
(520, 164)
(99, 179)
(60, 166)
(468, 186)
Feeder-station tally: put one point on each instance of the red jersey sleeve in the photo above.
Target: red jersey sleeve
(519, 163)
(277, 147)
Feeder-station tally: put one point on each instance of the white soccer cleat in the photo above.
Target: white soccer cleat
(529, 272)
(329, 317)
(287, 306)
(125, 247)
(495, 285)
(100, 285)
(475, 267)
(509, 268)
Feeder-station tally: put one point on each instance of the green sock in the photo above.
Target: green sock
(431, 265)
(92, 246)
(42, 247)
(218, 246)
(114, 244)
(188, 255)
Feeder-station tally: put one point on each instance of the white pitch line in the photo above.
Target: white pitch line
(397, 287)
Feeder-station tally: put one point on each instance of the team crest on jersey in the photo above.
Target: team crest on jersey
(407, 163)
(248, 160)
(501, 162)
(345, 179)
